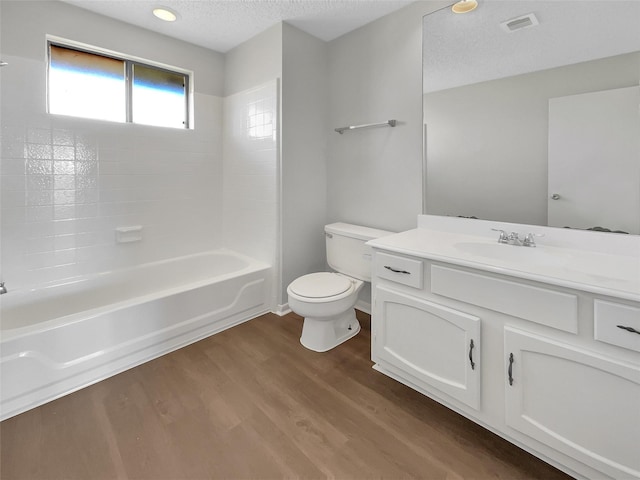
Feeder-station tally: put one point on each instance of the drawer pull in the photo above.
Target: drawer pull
(396, 270)
(473, 365)
(629, 329)
(511, 369)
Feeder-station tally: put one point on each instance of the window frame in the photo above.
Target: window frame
(129, 62)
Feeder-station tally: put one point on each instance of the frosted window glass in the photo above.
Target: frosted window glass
(159, 97)
(86, 85)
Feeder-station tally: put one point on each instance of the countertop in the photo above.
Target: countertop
(610, 274)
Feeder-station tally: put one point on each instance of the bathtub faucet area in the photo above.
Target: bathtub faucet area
(3, 289)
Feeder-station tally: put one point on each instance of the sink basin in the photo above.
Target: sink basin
(600, 267)
(513, 254)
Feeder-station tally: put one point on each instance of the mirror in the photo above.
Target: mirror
(531, 113)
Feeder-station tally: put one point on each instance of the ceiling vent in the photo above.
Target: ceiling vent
(518, 23)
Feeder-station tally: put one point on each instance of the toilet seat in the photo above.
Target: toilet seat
(320, 285)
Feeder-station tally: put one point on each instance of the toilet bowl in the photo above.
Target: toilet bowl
(326, 300)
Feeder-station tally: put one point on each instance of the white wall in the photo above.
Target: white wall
(67, 183)
(252, 167)
(304, 151)
(375, 74)
(250, 178)
(369, 177)
(374, 176)
(299, 60)
(254, 62)
(497, 169)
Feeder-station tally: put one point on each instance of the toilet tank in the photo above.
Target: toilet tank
(346, 249)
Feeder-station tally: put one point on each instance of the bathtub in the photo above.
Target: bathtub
(60, 338)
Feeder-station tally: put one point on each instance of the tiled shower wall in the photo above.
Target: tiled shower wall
(66, 184)
(250, 152)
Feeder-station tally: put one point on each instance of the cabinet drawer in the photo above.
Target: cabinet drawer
(540, 305)
(609, 318)
(406, 271)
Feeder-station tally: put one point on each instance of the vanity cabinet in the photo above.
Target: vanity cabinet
(551, 373)
(434, 345)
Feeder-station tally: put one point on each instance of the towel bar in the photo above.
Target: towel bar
(388, 123)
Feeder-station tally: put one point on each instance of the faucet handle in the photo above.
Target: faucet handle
(529, 240)
(514, 239)
(503, 235)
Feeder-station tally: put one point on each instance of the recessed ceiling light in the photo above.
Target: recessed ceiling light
(163, 13)
(464, 6)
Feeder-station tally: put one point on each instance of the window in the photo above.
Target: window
(86, 85)
(158, 97)
(93, 85)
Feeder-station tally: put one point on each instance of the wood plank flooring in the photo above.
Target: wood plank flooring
(252, 403)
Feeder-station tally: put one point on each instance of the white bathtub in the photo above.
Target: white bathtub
(61, 338)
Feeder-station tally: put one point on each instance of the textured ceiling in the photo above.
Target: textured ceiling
(223, 24)
(466, 49)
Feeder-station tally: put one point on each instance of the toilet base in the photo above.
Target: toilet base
(324, 333)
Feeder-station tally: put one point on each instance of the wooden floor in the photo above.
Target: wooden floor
(251, 402)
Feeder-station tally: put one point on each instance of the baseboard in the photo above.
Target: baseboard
(364, 306)
(282, 310)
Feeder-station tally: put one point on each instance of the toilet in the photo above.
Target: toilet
(326, 300)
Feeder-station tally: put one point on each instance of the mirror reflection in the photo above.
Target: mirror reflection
(531, 113)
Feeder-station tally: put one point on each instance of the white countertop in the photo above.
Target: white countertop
(612, 274)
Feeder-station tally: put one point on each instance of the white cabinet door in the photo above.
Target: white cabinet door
(582, 404)
(435, 345)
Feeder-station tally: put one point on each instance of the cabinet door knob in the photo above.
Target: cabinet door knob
(510, 369)
(471, 345)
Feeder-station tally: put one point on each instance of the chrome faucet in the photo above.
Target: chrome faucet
(513, 238)
(529, 240)
(503, 235)
(3, 289)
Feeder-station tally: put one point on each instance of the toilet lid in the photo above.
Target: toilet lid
(320, 285)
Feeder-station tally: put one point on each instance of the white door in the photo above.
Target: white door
(582, 404)
(434, 345)
(594, 160)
